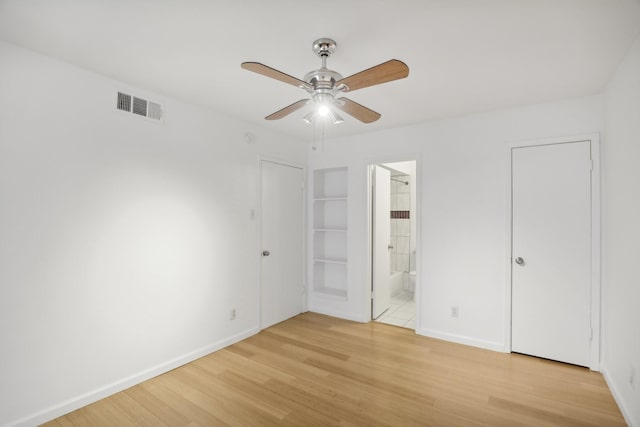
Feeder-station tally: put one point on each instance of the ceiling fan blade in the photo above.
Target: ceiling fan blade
(382, 73)
(360, 112)
(259, 68)
(288, 110)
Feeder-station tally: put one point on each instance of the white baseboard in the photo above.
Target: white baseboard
(617, 395)
(460, 339)
(77, 402)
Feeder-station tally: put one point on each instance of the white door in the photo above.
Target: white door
(551, 251)
(381, 220)
(282, 242)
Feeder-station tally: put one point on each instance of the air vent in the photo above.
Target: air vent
(139, 106)
(154, 111)
(124, 102)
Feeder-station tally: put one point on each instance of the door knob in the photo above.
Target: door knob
(265, 253)
(390, 247)
(519, 261)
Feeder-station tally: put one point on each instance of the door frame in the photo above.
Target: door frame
(367, 250)
(258, 210)
(594, 140)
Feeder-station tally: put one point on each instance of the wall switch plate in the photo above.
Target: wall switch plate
(454, 311)
(232, 314)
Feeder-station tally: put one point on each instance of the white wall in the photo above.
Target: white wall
(621, 235)
(124, 242)
(462, 168)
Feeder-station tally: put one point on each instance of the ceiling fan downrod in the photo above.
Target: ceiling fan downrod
(323, 80)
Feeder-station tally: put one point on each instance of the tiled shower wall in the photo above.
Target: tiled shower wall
(400, 224)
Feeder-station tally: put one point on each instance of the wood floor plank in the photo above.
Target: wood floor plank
(158, 407)
(315, 370)
(140, 415)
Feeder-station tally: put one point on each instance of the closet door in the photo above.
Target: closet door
(551, 251)
(281, 293)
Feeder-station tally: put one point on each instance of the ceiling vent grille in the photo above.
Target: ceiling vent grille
(139, 106)
(154, 110)
(124, 102)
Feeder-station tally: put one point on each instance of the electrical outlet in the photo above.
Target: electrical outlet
(232, 314)
(632, 377)
(454, 311)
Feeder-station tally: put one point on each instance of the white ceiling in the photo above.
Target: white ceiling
(465, 55)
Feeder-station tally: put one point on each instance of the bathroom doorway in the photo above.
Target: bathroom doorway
(393, 232)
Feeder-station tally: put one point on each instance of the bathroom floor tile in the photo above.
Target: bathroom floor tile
(401, 312)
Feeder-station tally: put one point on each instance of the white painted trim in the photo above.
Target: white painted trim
(305, 291)
(461, 339)
(368, 279)
(617, 396)
(509, 263)
(368, 297)
(85, 399)
(394, 158)
(596, 250)
(594, 139)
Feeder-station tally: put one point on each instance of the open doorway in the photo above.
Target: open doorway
(392, 214)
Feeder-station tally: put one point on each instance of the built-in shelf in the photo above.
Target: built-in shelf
(330, 200)
(330, 213)
(338, 294)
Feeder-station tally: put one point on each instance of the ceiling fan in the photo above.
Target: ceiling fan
(325, 86)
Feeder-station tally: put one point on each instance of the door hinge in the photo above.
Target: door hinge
(590, 164)
(590, 334)
(371, 294)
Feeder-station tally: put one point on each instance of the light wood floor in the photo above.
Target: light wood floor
(315, 370)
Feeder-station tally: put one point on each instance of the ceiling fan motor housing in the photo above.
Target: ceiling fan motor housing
(322, 79)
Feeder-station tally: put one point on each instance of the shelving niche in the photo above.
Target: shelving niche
(330, 197)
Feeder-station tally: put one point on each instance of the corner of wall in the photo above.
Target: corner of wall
(617, 396)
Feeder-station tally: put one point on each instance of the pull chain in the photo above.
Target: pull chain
(313, 142)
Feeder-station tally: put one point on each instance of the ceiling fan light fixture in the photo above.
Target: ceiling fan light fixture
(324, 110)
(329, 116)
(335, 117)
(308, 118)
